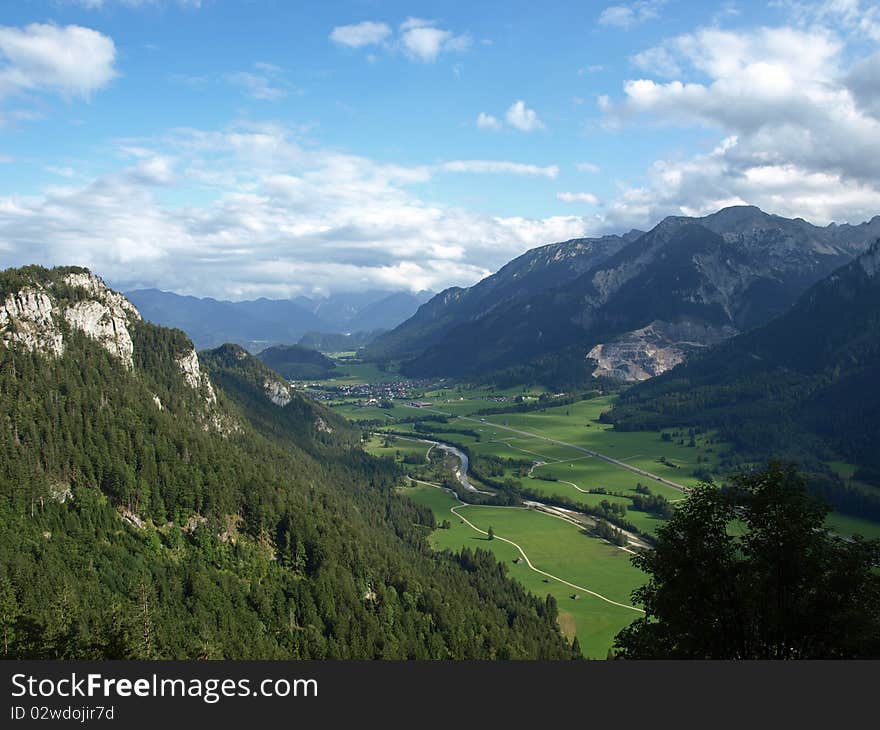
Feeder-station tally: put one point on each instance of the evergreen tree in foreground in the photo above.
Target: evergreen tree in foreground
(750, 572)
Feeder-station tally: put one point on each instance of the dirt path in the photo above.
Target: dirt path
(520, 550)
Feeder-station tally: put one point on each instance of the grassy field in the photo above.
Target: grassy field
(556, 547)
(354, 412)
(356, 372)
(553, 545)
(846, 525)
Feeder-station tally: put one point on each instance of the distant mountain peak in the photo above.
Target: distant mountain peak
(692, 280)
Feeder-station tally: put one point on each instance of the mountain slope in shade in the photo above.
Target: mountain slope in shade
(643, 308)
(526, 275)
(808, 377)
(296, 362)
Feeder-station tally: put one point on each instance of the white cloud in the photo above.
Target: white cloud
(264, 82)
(628, 16)
(152, 171)
(522, 118)
(852, 16)
(257, 86)
(422, 40)
(659, 60)
(500, 167)
(587, 167)
(487, 121)
(282, 218)
(359, 35)
(587, 198)
(417, 38)
(69, 60)
(800, 131)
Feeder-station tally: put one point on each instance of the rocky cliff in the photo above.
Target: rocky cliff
(43, 308)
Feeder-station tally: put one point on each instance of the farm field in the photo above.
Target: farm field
(554, 546)
(578, 424)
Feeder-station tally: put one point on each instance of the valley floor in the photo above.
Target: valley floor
(560, 453)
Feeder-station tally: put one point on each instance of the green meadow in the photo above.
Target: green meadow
(554, 546)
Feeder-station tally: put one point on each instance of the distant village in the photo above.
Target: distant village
(379, 395)
(372, 394)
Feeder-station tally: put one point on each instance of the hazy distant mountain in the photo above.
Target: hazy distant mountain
(260, 323)
(636, 306)
(364, 311)
(337, 341)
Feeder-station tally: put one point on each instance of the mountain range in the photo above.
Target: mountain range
(260, 323)
(629, 307)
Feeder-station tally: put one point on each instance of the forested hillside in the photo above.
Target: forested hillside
(146, 512)
(296, 362)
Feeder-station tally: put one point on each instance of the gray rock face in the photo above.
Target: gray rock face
(105, 325)
(38, 315)
(26, 319)
(32, 317)
(654, 349)
(278, 392)
(193, 375)
(104, 317)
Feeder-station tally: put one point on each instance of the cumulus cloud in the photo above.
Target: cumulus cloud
(68, 60)
(587, 198)
(424, 41)
(359, 35)
(282, 218)
(799, 130)
(487, 121)
(520, 117)
(152, 171)
(418, 39)
(628, 16)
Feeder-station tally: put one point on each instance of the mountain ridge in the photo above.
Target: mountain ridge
(711, 277)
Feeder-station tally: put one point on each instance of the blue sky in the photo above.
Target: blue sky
(266, 147)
